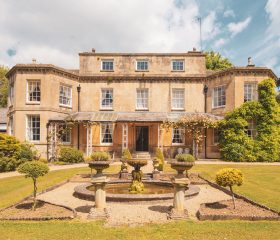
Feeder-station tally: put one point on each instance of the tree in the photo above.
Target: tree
(4, 86)
(195, 125)
(215, 61)
(229, 177)
(33, 169)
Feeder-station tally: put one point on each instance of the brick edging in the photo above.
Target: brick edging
(212, 184)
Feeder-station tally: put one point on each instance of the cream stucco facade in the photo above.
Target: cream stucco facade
(112, 85)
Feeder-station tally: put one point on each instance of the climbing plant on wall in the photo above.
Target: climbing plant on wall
(234, 142)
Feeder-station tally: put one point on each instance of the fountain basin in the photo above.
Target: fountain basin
(117, 191)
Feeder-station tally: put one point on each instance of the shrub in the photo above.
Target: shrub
(43, 160)
(8, 164)
(34, 169)
(160, 157)
(70, 155)
(9, 145)
(184, 157)
(229, 177)
(100, 156)
(26, 152)
(126, 154)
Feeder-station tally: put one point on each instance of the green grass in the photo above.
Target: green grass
(13, 189)
(70, 230)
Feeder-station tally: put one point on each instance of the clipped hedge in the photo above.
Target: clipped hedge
(236, 145)
(126, 154)
(100, 156)
(160, 157)
(184, 157)
(70, 155)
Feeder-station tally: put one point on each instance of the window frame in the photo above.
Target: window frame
(183, 100)
(101, 134)
(215, 131)
(29, 81)
(253, 91)
(213, 98)
(71, 95)
(68, 132)
(147, 99)
(251, 127)
(28, 129)
(101, 99)
(107, 70)
(144, 61)
(177, 60)
(183, 132)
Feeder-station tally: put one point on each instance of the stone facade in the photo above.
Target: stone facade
(159, 79)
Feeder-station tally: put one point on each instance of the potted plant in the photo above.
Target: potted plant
(183, 162)
(99, 162)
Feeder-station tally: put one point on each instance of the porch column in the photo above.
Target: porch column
(52, 138)
(160, 145)
(89, 139)
(124, 136)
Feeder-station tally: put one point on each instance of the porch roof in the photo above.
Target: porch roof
(129, 116)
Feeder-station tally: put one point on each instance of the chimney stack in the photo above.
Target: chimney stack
(194, 49)
(34, 60)
(250, 62)
(93, 50)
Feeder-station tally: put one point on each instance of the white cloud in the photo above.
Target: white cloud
(55, 31)
(229, 13)
(220, 42)
(273, 9)
(238, 27)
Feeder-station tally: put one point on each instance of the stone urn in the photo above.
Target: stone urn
(99, 166)
(181, 167)
(137, 185)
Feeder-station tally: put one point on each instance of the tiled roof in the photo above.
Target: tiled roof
(3, 115)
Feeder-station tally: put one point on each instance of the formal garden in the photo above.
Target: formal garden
(159, 198)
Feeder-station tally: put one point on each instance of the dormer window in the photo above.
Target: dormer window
(178, 65)
(107, 65)
(142, 65)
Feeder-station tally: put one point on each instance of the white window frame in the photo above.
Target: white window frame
(141, 61)
(29, 83)
(142, 96)
(173, 107)
(182, 132)
(64, 86)
(67, 134)
(177, 60)
(28, 128)
(252, 93)
(251, 129)
(105, 107)
(107, 61)
(103, 126)
(214, 105)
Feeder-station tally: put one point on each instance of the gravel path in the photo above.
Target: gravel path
(131, 213)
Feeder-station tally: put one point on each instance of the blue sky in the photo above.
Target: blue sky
(55, 31)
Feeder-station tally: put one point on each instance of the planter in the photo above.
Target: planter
(137, 163)
(99, 166)
(181, 167)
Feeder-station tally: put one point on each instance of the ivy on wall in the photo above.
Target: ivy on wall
(234, 142)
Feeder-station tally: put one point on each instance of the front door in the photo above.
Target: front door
(142, 138)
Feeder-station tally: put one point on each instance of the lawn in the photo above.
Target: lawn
(13, 189)
(70, 230)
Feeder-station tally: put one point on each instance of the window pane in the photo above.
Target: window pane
(33, 128)
(178, 136)
(107, 98)
(178, 98)
(107, 133)
(178, 65)
(142, 65)
(65, 95)
(142, 99)
(249, 92)
(108, 65)
(219, 98)
(34, 91)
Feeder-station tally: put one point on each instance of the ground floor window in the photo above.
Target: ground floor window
(216, 136)
(33, 128)
(65, 134)
(106, 133)
(251, 129)
(178, 136)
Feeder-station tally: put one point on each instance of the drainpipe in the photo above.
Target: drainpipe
(79, 109)
(205, 90)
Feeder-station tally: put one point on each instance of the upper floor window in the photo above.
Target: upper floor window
(251, 129)
(178, 65)
(142, 100)
(142, 65)
(65, 95)
(107, 98)
(33, 91)
(178, 136)
(249, 92)
(106, 133)
(219, 96)
(33, 128)
(107, 65)
(178, 98)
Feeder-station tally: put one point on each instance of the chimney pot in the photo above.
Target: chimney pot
(250, 62)
(93, 50)
(194, 49)
(33, 60)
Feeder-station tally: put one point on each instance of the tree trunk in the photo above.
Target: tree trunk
(34, 194)
(233, 198)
